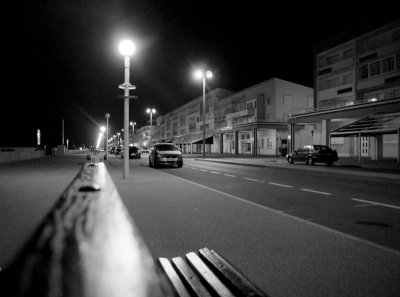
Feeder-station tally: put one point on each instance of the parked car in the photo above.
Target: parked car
(313, 153)
(118, 151)
(134, 152)
(167, 154)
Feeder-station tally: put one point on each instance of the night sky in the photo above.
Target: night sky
(61, 58)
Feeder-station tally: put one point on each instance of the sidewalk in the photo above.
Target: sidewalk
(345, 164)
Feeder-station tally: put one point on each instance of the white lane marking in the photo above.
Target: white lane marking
(280, 185)
(215, 172)
(376, 203)
(317, 192)
(230, 175)
(358, 239)
(203, 170)
(193, 168)
(251, 179)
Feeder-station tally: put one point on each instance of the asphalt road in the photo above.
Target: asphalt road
(249, 215)
(363, 206)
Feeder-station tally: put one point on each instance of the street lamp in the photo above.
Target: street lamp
(151, 111)
(133, 131)
(200, 74)
(127, 49)
(107, 115)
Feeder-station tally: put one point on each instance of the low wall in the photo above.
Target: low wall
(18, 154)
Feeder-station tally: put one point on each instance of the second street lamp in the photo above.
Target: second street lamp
(200, 74)
(151, 111)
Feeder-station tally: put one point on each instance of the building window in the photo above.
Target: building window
(363, 71)
(331, 59)
(269, 143)
(375, 68)
(388, 64)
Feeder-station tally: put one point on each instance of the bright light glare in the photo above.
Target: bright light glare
(102, 129)
(127, 48)
(209, 74)
(150, 110)
(198, 74)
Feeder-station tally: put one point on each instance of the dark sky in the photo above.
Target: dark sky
(61, 58)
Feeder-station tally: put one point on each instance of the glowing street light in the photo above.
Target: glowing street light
(200, 74)
(107, 116)
(133, 131)
(127, 48)
(151, 111)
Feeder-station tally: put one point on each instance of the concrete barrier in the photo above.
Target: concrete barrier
(18, 154)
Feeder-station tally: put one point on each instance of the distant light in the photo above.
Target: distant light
(127, 48)
(102, 129)
(209, 74)
(150, 110)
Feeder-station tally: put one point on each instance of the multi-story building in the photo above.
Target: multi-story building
(357, 97)
(252, 121)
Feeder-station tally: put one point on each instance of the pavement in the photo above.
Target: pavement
(346, 165)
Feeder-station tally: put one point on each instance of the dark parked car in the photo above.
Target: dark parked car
(313, 153)
(165, 154)
(134, 152)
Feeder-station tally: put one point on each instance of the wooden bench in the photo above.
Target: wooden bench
(205, 273)
(87, 246)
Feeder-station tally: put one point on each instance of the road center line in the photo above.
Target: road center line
(252, 179)
(230, 175)
(317, 192)
(215, 172)
(280, 185)
(376, 203)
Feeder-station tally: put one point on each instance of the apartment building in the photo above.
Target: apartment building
(251, 121)
(357, 97)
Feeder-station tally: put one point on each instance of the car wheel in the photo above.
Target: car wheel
(310, 161)
(180, 165)
(290, 160)
(155, 164)
(150, 165)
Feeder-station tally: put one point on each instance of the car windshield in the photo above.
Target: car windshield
(166, 147)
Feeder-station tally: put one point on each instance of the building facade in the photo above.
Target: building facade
(252, 121)
(357, 97)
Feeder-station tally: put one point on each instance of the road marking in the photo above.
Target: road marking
(230, 175)
(203, 170)
(251, 179)
(215, 172)
(280, 185)
(317, 192)
(330, 230)
(376, 203)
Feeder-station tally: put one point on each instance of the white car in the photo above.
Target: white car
(165, 154)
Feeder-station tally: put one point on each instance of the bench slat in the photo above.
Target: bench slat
(190, 278)
(229, 275)
(173, 277)
(210, 278)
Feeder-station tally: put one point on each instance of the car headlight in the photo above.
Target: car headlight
(160, 156)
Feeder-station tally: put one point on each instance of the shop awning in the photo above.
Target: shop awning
(371, 124)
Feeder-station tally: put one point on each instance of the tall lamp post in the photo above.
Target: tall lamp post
(126, 48)
(107, 115)
(200, 74)
(151, 111)
(133, 131)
